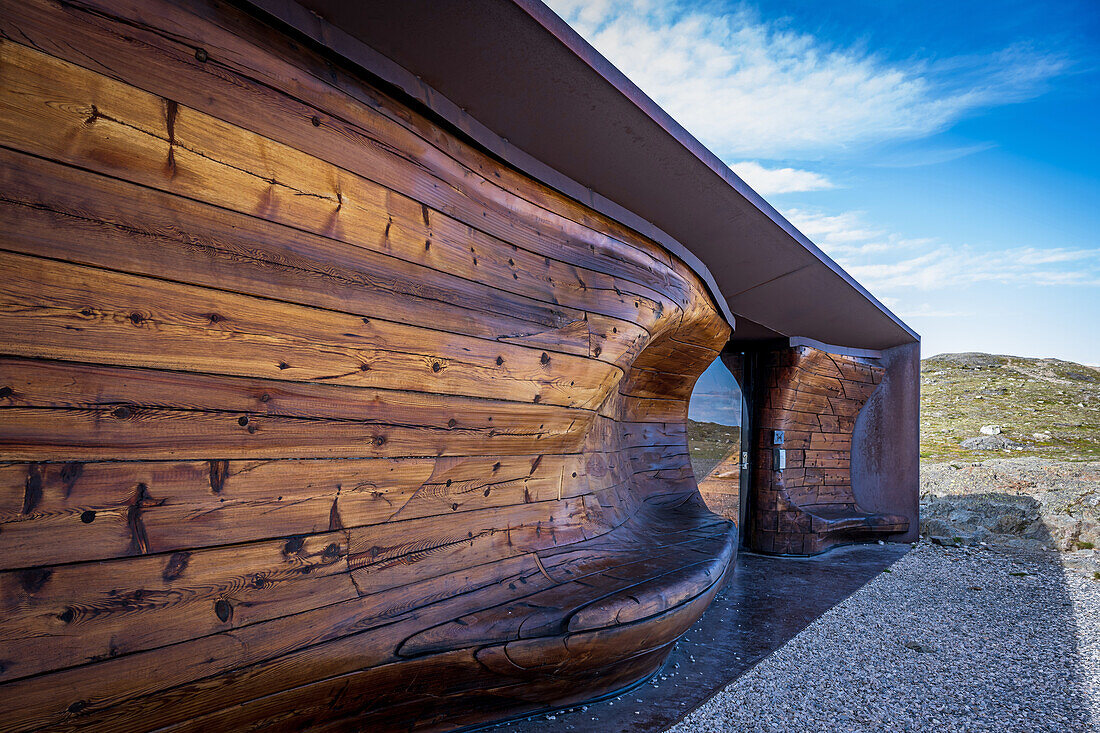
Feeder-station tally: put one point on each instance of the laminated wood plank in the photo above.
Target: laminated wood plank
(227, 668)
(85, 507)
(62, 411)
(791, 398)
(837, 423)
(815, 384)
(646, 409)
(56, 619)
(65, 213)
(831, 441)
(277, 307)
(56, 310)
(815, 397)
(320, 636)
(84, 118)
(827, 459)
(591, 600)
(382, 555)
(61, 384)
(791, 419)
(662, 385)
(321, 109)
(589, 650)
(653, 434)
(70, 214)
(340, 703)
(670, 354)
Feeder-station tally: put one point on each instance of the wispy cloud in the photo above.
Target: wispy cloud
(767, 181)
(846, 235)
(773, 103)
(954, 267)
(752, 89)
(887, 262)
(923, 155)
(923, 310)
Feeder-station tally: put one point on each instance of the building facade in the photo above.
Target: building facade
(347, 359)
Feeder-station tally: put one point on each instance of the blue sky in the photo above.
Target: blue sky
(947, 154)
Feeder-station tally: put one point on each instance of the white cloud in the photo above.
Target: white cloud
(831, 229)
(757, 92)
(751, 89)
(927, 155)
(848, 235)
(926, 310)
(956, 267)
(886, 262)
(767, 181)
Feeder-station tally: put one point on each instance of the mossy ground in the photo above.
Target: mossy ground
(962, 392)
(709, 443)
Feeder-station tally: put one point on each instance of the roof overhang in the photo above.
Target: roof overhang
(522, 84)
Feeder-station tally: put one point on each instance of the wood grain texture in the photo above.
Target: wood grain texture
(313, 416)
(809, 507)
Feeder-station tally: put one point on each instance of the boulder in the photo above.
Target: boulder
(992, 442)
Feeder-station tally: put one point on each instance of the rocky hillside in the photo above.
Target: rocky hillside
(1029, 407)
(709, 443)
(1010, 454)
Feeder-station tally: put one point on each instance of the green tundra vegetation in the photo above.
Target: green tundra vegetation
(1045, 408)
(709, 443)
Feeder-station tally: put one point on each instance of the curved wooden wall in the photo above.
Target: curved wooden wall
(311, 415)
(814, 397)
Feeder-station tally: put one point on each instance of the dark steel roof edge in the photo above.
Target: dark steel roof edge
(561, 30)
(834, 349)
(793, 342)
(381, 66)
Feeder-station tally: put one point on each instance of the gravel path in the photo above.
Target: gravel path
(953, 639)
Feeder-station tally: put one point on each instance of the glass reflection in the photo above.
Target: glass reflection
(714, 439)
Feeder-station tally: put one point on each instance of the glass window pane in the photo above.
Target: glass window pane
(714, 439)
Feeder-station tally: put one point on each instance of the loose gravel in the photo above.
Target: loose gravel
(951, 639)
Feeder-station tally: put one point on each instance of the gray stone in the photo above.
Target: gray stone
(991, 442)
(964, 517)
(919, 647)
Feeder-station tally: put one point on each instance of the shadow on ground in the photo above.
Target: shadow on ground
(768, 601)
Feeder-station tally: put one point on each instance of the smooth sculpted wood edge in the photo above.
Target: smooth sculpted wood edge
(312, 416)
(814, 397)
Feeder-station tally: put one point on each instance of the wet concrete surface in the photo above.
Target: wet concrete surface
(768, 601)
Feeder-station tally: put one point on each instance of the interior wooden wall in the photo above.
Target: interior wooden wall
(312, 415)
(814, 397)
